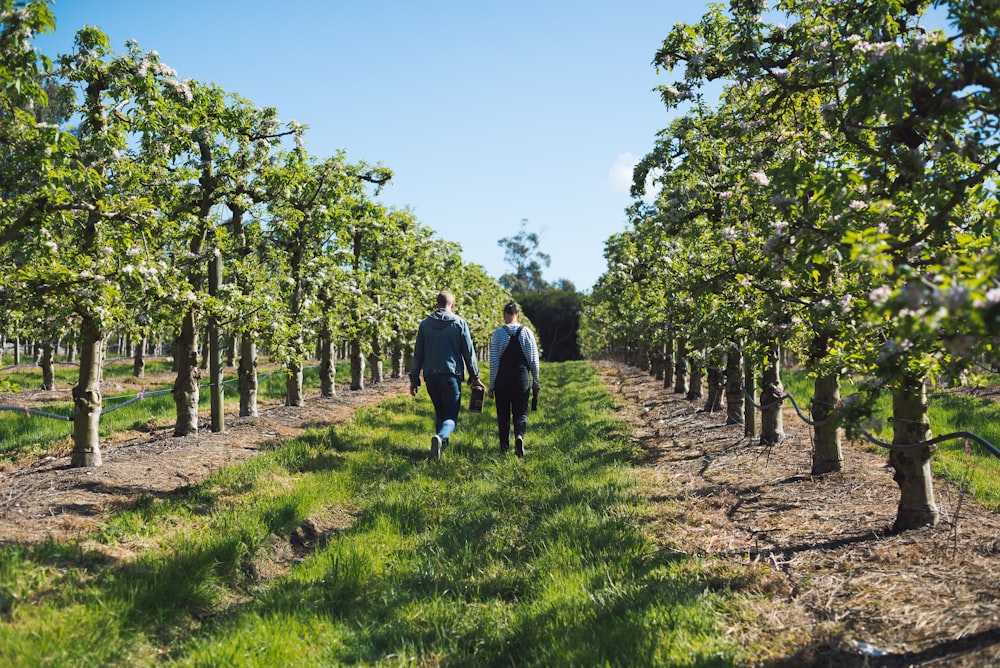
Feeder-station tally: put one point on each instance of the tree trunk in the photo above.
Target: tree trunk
(827, 435)
(327, 364)
(734, 385)
(659, 362)
(375, 360)
(680, 368)
(697, 377)
(716, 384)
(913, 466)
(749, 389)
(17, 350)
(87, 399)
(357, 366)
(187, 392)
(668, 364)
(48, 365)
(408, 358)
(205, 352)
(248, 377)
(231, 350)
(397, 357)
(215, 386)
(294, 395)
(772, 429)
(139, 360)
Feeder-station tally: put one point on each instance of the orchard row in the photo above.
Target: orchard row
(838, 201)
(137, 201)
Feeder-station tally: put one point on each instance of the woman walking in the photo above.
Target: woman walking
(513, 358)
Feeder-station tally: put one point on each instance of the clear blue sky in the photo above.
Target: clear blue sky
(487, 112)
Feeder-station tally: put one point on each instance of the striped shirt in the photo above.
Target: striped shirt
(501, 338)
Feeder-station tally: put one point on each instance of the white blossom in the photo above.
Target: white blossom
(879, 296)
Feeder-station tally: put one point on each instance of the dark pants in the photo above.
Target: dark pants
(446, 395)
(511, 398)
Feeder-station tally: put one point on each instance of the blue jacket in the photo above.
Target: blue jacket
(443, 347)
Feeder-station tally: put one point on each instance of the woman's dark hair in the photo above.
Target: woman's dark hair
(511, 307)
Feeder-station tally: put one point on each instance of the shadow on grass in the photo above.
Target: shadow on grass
(479, 559)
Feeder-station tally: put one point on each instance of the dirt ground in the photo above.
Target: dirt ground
(49, 499)
(848, 591)
(843, 588)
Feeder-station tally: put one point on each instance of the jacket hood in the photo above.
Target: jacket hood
(442, 318)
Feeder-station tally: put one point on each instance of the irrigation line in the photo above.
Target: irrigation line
(993, 450)
(32, 412)
(945, 437)
(811, 423)
(139, 397)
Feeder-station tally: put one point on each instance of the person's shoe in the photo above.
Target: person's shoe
(519, 446)
(435, 447)
(505, 447)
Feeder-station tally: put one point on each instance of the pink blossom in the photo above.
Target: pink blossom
(761, 178)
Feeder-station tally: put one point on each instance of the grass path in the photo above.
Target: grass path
(350, 547)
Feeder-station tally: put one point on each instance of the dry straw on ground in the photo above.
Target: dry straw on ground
(844, 590)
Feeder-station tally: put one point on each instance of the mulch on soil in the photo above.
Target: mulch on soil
(845, 590)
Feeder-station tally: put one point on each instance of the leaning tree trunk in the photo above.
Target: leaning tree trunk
(327, 364)
(681, 368)
(913, 466)
(187, 390)
(697, 377)
(734, 385)
(247, 374)
(772, 429)
(357, 365)
(87, 400)
(48, 366)
(139, 360)
(375, 360)
(294, 395)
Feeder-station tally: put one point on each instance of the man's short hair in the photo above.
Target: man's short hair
(445, 298)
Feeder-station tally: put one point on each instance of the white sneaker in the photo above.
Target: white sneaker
(435, 447)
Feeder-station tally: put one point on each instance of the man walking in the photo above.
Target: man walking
(442, 352)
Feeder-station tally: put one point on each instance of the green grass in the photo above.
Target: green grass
(21, 436)
(350, 547)
(975, 470)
